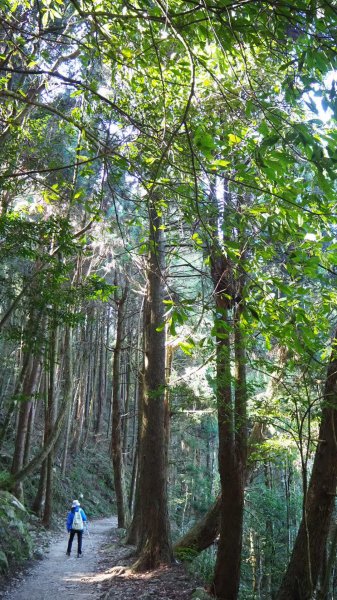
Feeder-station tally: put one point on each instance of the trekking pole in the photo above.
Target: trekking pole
(89, 538)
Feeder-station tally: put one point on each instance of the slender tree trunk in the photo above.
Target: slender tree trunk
(30, 428)
(116, 433)
(101, 378)
(37, 506)
(269, 546)
(126, 418)
(18, 387)
(133, 534)
(28, 389)
(91, 375)
(301, 577)
(67, 391)
(44, 452)
(51, 410)
(232, 456)
(154, 541)
(83, 368)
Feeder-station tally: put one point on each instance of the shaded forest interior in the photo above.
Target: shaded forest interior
(168, 280)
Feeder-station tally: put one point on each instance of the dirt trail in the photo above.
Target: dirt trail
(58, 577)
(103, 572)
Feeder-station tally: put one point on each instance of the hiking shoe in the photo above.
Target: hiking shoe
(68, 553)
(79, 555)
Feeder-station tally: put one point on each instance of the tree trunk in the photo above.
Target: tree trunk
(67, 392)
(134, 498)
(28, 389)
(331, 560)
(51, 409)
(305, 564)
(30, 429)
(116, 437)
(126, 419)
(101, 383)
(90, 376)
(79, 404)
(48, 446)
(232, 454)
(37, 506)
(18, 387)
(202, 534)
(154, 543)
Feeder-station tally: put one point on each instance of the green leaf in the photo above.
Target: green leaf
(234, 139)
(186, 347)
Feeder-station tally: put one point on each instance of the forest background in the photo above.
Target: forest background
(168, 270)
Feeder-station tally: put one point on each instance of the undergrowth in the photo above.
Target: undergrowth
(88, 478)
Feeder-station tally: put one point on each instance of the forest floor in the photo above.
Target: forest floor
(102, 573)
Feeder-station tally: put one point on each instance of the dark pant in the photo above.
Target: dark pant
(79, 540)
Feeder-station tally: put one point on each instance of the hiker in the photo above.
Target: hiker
(76, 518)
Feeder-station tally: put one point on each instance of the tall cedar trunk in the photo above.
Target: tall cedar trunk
(267, 582)
(17, 390)
(133, 534)
(90, 379)
(31, 420)
(28, 389)
(45, 450)
(231, 396)
(68, 392)
(168, 373)
(101, 383)
(154, 542)
(126, 419)
(301, 577)
(79, 405)
(232, 457)
(116, 431)
(50, 423)
(49, 442)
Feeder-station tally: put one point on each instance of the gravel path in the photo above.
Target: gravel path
(58, 577)
(103, 572)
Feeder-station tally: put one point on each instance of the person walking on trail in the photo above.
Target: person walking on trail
(75, 524)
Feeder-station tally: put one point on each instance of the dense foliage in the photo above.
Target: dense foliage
(190, 146)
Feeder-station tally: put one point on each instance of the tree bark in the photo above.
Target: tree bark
(18, 387)
(155, 543)
(51, 410)
(232, 456)
(28, 389)
(331, 560)
(67, 393)
(101, 383)
(38, 502)
(134, 528)
(301, 577)
(45, 450)
(116, 431)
